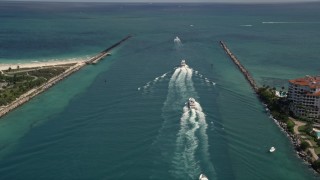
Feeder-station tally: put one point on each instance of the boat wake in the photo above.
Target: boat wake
(204, 79)
(177, 42)
(289, 22)
(148, 87)
(191, 155)
(185, 145)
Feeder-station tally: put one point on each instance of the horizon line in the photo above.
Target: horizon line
(166, 2)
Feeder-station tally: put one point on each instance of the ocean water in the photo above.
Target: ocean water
(125, 118)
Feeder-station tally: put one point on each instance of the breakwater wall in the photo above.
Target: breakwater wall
(33, 92)
(243, 70)
(95, 59)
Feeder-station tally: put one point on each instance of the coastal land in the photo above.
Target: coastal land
(298, 130)
(21, 82)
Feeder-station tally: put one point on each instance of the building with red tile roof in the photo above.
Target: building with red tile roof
(304, 94)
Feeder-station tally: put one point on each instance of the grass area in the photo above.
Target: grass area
(15, 82)
(302, 129)
(317, 150)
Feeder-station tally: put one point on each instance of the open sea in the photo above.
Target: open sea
(125, 118)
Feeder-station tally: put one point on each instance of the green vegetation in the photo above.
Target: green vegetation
(316, 165)
(304, 145)
(278, 106)
(302, 129)
(290, 125)
(317, 150)
(15, 82)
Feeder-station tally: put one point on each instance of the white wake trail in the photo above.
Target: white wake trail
(181, 87)
(149, 86)
(192, 139)
(205, 159)
(184, 162)
(168, 106)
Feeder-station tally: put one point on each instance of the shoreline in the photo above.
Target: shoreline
(78, 64)
(295, 141)
(5, 66)
(35, 91)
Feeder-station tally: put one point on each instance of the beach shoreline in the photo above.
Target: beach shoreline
(6, 66)
(35, 91)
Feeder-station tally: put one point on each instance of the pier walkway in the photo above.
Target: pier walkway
(243, 70)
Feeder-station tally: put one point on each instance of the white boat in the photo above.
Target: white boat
(192, 103)
(177, 39)
(272, 149)
(183, 64)
(203, 177)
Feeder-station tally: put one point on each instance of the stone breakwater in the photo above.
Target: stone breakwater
(33, 92)
(244, 71)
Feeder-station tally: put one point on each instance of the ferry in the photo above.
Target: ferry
(192, 103)
(203, 177)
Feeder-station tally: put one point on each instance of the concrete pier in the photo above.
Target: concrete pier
(243, 70)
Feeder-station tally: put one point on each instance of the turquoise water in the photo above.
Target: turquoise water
(123, 118)
(318, 134)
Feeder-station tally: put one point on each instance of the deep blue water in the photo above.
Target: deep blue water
(124, 118)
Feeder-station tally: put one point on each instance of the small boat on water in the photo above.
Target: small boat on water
(191, 103)
(203, 177)
(272, 149)
(177, 39)
(183, 64)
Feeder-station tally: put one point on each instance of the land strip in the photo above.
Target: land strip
(76, 66)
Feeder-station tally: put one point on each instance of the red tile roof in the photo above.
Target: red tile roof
(312, 82)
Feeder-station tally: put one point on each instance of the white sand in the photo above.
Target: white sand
(36, 64)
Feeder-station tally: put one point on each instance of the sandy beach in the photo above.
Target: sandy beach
(37, 64)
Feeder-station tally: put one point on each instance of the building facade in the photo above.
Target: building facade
(304, 95)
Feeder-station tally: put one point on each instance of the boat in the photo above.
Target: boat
(192, 103)
(177, 39)
(272, 149)
(183, 64)
(203, 177)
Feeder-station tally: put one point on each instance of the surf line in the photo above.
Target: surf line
(242, 69)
